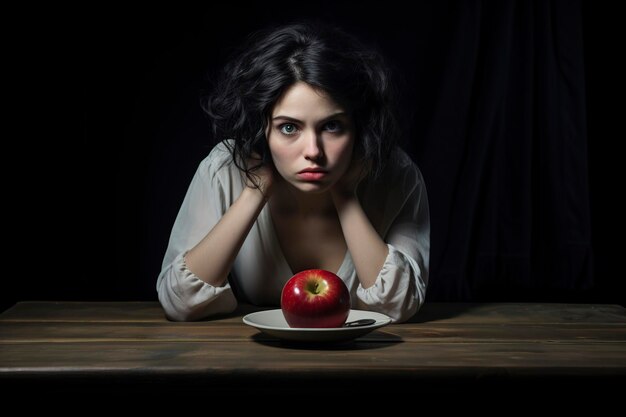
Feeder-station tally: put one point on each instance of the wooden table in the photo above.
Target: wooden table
(128, 346)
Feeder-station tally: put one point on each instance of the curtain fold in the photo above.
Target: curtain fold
(505, 154)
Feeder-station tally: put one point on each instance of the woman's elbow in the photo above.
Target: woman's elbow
(195, 306)
(191, 312)
(178, 311)
(406, 313)
(412, 302)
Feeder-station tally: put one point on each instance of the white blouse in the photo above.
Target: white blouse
(396, 204)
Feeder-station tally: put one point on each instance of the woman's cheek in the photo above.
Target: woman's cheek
(347, 159)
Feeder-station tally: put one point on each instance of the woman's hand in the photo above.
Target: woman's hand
(213, 257)
(368, 250)
(263, 176)
(348, 183)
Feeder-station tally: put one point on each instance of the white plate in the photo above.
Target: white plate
(273, 323)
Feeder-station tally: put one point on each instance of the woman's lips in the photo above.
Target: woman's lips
(311, 175)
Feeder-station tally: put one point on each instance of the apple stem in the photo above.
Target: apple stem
(316, 287)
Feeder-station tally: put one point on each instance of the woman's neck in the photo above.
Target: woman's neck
(293, 202)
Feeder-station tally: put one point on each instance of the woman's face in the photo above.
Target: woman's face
(311, 138)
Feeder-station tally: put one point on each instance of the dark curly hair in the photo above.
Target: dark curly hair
(324, 57)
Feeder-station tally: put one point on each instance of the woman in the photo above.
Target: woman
(309, 177)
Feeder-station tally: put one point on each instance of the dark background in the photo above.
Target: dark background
(139, 74)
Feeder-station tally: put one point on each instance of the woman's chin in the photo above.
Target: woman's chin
(312, 187)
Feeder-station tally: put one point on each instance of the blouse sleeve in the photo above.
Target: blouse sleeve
(182, 294)
(400, 287)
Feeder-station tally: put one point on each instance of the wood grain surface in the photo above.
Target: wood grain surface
(81, 344)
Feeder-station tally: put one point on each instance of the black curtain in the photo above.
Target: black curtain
(505, 154)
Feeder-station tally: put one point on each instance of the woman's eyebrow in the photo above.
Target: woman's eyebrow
(292, 119)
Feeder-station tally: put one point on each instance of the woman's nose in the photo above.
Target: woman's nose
(313, 149)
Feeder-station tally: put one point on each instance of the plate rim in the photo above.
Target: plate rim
(385, 320)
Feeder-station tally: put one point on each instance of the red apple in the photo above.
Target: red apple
(315, 298)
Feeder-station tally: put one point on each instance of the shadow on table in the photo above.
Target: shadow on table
(241, 310)
(376, 340)
(440, 311)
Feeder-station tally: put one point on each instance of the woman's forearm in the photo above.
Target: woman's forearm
(212, 259)
(366, 247)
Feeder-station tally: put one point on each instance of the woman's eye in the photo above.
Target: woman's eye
(287, 128)
(334, 126)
